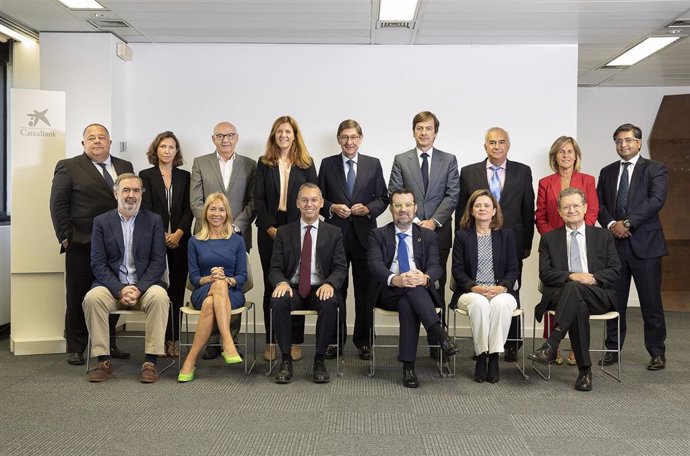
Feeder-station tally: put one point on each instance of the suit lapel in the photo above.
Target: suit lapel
(563, 249)
(90, 170)
(389, 244)
(555, 185)
(435, 169)
(275, 175)
(338, 172)
(415, 169)
(116, 227)
(214, 164)
(418, 249)
(637, 180)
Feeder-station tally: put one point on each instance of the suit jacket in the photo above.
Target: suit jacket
(646, 197)
(370, 190)
(602, 262)
(268, 192)
(330, 254)
(108, 248)
(466, 257)
(442, 195)
(547, 217)
(381, 252)
(517, 199)
(207, 179)
(154, 199)
(78, 194)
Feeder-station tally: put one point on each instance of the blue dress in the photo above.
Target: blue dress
(231, 254)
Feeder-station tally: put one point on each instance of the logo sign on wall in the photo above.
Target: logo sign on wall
(37, 126)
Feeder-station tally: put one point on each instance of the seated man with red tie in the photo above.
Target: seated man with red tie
(404, 263)
(578, 265)
(307, 269)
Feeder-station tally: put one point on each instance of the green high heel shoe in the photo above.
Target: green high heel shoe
(184, 378)
(231, 359)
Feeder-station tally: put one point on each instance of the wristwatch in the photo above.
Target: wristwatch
(626, 224)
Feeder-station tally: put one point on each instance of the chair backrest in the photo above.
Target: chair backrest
(248, 285)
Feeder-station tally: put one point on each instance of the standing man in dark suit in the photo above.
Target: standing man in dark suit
(82, 189)
(631, 192)
(404, 262)
(511, 184)
(308, 267)
(128, 261)
(432, 176)
(354, 195)
(224, 171)
(578, 265)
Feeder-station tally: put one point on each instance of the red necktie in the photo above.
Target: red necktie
(304, 286)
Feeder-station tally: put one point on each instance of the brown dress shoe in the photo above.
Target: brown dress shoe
(102, 372)
(270, 352)
(296, 352)
(148, 373)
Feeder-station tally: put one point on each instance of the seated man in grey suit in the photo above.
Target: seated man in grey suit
(128, 261)
(578, 265)
(308, 268)
(404, 264)
(225, 171)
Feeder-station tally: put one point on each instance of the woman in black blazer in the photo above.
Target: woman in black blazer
(282, 169)
(485, 269)
(166, 192)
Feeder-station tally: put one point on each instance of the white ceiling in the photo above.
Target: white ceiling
(602, 28)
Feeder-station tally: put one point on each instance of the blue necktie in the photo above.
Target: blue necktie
(425, 171)
(351, 177)
(403, 258)
(106, 175)
(495, 183)
(575, 260)
(622, 196)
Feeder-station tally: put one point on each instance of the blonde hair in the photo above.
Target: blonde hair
(558, 145)
(205, 233)
(299, 155)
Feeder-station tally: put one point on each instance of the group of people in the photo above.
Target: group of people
(125, 251)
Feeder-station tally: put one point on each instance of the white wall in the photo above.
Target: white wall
(189, 88)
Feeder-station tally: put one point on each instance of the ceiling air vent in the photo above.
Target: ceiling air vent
(680, 23)
(108, 23)
(395, 24)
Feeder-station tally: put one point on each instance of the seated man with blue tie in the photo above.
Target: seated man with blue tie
(128, 261)
(308, 268)
(578, 265)
(404, 263)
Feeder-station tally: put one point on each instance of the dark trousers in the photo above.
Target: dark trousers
(78, 281)
(647, 275)
(414, 306)
(325, 322)
(356, 255)
(177, 275)
(515, 330)
(265, 244)
(576, 303)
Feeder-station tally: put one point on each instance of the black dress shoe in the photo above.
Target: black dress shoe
(320, 372)
(284, 374)
(410, 379)
(492, 372)
(510, 355)
(480, 368)
(544, 355)
(609, 359)
(364, 353)
(657, 362)
(211, 352)
(584, 380)
(116, 353)
(449, 348)
(75, 359)
(331, 352)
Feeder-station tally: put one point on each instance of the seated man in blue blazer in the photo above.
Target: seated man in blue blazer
(578, 265)
(404, 264)
(128, 261)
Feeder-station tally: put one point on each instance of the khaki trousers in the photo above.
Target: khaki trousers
(99, 302)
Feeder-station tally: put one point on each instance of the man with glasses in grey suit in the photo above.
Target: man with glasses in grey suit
(226, 172)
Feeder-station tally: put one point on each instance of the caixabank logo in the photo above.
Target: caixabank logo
(38, 125)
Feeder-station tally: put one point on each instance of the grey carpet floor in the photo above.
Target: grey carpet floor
(48, 407)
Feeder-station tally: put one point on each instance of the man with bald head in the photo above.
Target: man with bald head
(83, 189)
(227, 172)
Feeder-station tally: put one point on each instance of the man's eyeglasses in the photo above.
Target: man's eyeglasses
(221, 136)
(352, 138)
(399, 206)
(628, 141)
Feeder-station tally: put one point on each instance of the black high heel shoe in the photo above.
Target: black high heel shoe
(480, 368)
(492, 375)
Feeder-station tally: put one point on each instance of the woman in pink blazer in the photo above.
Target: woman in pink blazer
(564, 158)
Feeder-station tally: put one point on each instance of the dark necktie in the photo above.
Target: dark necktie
(304, 286)
(575, 260)
(495, 183)
(622, 196)
(106, 175)
(425, 170)
(351, 176)
(403, 257)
